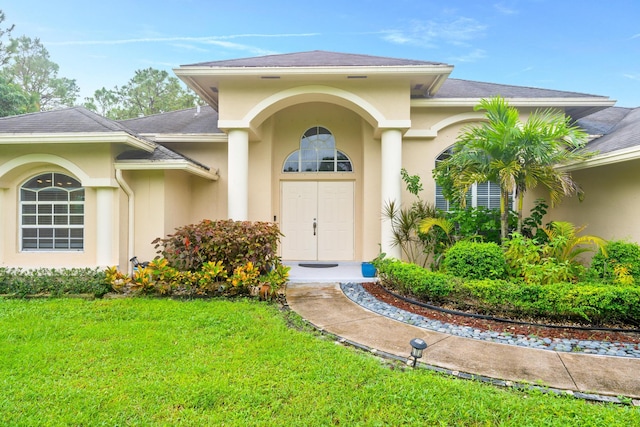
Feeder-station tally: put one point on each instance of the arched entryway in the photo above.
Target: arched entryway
(318, 212)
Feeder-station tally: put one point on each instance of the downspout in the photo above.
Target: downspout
(131, 218)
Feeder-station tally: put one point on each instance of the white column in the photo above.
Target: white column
(105, 227)
(3, 226)
(391, 185)
(238, 167)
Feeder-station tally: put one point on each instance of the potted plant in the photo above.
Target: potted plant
(369, 267)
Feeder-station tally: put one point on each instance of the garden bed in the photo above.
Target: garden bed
(556, 331)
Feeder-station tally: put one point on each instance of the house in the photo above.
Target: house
(313, 141)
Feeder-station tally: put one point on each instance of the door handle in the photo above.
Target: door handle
(315, 226)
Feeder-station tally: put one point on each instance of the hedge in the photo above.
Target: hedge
(592, 303)
(55, 282)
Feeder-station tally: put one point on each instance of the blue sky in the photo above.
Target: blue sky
(589, 46)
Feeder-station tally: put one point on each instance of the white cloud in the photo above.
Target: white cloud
(473, 56)
(207, 40)
(635, 76)
(430, 34)
(505, 9)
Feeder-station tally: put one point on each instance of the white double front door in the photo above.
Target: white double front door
(317, 220)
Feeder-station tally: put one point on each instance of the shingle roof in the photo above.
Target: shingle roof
(76, 119)
(188, 121)
(456, 88)
(81, 120)
(316, 58)
(161, 153)
(620, 128)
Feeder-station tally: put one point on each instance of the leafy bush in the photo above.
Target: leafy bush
(415, 280)
(622, 260)
(474, 260)
(234, 243)
(594, 303)
(159, 278)
(55, 282)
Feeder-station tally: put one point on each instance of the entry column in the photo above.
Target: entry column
(391, 186)
(105, 226)
(238, 167)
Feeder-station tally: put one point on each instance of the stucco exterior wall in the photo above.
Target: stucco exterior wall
(610, 207)
(89, 161)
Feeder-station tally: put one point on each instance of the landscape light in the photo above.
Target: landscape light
(417, 347)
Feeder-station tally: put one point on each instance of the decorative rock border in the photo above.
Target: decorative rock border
(356, 293)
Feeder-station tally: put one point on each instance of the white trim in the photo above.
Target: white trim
(63, 163)
(77, 138)
(183, 165)
(187, 137)
(613, 157)
(289, 97)
(432, 132)
(373, 70)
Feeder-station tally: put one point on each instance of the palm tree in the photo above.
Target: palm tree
(517, 156)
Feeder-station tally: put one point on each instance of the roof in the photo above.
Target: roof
(619, 127)
(197, 120)
(76, 119)
(456, 88)
(79, 120)
(316, 58)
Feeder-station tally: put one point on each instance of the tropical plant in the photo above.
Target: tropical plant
(517, 156)
(565, 244)
(619, 259)
(405, 222)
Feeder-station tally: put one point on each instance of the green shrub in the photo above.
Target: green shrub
(415, 280)
(474, 260)
(54, 282)
(620, 256)
(594, 303)
(234, 243)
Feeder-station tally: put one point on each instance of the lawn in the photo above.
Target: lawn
(236, 363)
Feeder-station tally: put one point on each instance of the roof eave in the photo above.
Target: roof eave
(77, 138)
(182, 165)
(610, 158)
(187, 137)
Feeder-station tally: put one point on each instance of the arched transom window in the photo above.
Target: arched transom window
(52, 213)
(317, 153)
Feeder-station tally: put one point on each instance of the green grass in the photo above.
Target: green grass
(235, 363)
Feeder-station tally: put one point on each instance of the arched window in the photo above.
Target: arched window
(486, 194)
(52, 213)
(317, 153)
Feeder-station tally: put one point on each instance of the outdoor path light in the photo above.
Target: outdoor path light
(417, 347)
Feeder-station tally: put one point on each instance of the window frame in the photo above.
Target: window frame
(313, 150)
(492, 196)
(51, 212)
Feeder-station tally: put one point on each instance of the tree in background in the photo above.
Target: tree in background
(517, 156)
(13, 100)
(30, 68)
(150, 91)
(6, 48)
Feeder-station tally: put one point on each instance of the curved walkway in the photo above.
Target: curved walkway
(325, 306)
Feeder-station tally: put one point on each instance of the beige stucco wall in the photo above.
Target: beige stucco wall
(611, 204)
(92, 161)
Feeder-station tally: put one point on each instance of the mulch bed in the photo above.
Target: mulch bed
(376, 290)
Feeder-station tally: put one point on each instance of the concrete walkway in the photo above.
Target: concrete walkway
(324, 305)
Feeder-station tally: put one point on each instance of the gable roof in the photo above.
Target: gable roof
(75, 120)
(616, 137)
(79, 125)
(196, 120)
(615, 129)
(315, 58)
